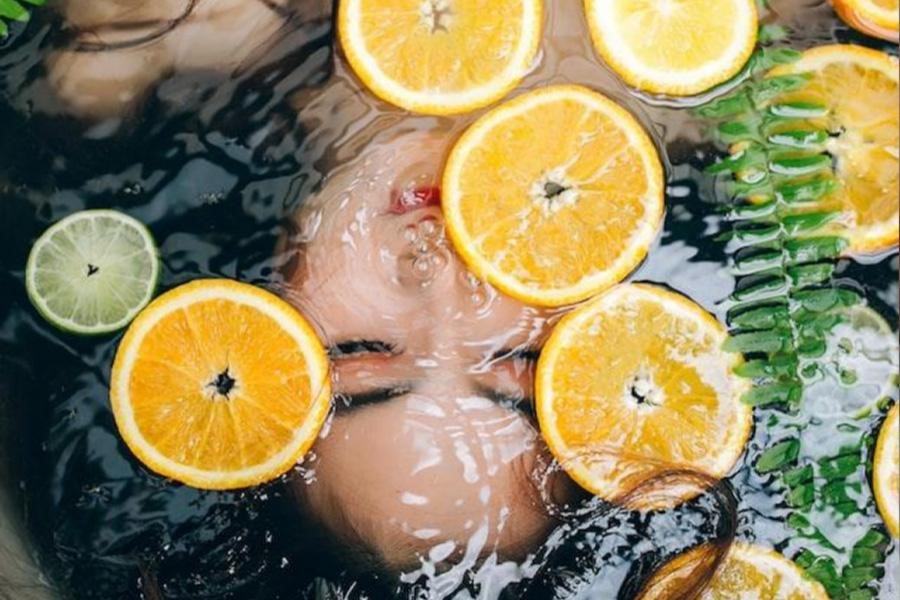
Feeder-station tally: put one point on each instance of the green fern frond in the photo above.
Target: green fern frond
(787, 301)
(15, 10)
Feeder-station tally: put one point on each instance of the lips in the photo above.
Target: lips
(407, 200)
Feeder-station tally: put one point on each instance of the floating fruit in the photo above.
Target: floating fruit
(879, 18)
(886, 473)
(92, 272)
(634, 385)
(859, 88)
(220, 385)
(554, 196)
(747, 571)
(440, 56)
(678, 48)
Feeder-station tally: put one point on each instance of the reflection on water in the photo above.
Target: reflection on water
(430, 473)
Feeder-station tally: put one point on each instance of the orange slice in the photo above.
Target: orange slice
(886, 475)
(879, 18)
(673, 47)
(554, 196)
(860, 88)
(635, 384)
(440, 56)
(220, 385)
(747, 572)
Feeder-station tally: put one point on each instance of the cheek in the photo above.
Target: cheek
(417, 478)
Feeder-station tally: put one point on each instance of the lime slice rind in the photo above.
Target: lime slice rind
(92, 272)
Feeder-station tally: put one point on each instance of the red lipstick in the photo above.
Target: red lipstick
(406, 200)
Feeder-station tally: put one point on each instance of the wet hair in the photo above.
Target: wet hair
(227, 552)
(575, 554)
(262, 544)
(576, 560)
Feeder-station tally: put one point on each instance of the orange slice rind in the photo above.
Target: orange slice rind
(678, 48)
(635, 385)
(220, 385)
(879, 18)
(440, 56)
(747, 571)
(554, 196)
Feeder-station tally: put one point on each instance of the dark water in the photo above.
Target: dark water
(213, 166)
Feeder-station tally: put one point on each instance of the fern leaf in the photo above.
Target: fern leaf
(14, 10)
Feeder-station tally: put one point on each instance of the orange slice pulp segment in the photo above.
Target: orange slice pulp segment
(554, 196)
(859, 86)
(634, 385)
(440, 56)
(220, 385)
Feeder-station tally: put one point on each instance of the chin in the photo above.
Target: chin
(441, 503)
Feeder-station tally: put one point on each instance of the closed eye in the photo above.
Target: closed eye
(359, 347)
(518, 402)
(523, 353)
(370, 397)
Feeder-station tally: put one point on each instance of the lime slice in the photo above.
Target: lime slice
(92, 272)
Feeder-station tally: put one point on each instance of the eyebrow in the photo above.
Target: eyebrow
(361, 346)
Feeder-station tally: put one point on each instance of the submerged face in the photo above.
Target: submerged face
(432, 452)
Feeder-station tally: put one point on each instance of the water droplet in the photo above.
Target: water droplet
(439, 260)
(429, 228)
(422, 267)
(848, 376)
